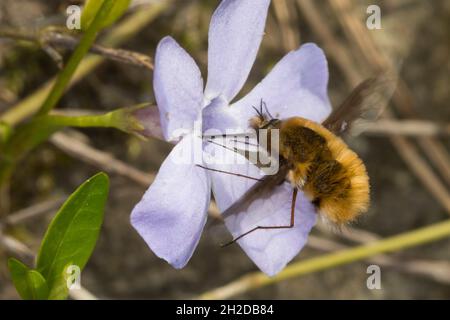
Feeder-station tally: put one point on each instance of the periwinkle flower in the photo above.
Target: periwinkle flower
(172, 213)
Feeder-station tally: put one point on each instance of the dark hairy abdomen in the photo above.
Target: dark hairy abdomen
(327, 178)
(324, 176)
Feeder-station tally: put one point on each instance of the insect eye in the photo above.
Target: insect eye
(269, 123)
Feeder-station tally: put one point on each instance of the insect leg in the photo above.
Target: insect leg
(236, 150)
(248, 143)
(231, 173)
(291, 225)
(223, 146)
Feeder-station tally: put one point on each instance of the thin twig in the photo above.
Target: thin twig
(15, 246)
(17, 34)
(49, 39)
(31, 212)
(333, 47)
(81, 293)
(101, 159)
(411, 156)
(406, 128)
(59, 40)
(289, 34)
(437, 152)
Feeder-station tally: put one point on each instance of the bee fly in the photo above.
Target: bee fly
(315, 160)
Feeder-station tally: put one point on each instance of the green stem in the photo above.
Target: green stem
(395, 243)
(26, 107)
(66, 74)
(118, 35)
(31, 134)
(103, 120)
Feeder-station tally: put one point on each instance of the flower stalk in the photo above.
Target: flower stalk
(28, 136)
(125, 119)
(84, 46)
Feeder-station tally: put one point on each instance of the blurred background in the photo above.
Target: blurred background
(408, 162)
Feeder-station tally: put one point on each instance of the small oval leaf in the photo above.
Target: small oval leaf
(18, 273)
(38, 285)
(30, 284)
(72, 234)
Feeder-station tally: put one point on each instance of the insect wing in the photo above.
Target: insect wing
(365, 103)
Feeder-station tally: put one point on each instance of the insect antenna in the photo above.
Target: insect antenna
(266, 109)
(236, 150)
(230, 173)
(258, 112)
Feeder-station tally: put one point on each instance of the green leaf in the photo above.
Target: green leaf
(30, 284)
(71, 236)
(92, 6)
(19, 277)
(39, 287)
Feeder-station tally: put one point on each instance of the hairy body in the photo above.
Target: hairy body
(315, 160)
(331, 175)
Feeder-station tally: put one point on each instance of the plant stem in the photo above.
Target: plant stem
(18, 34)
(395, 243)
(88, 39)
(102, 120)
(30, 135)
(26, 107)
(118, 35)
(51, 39)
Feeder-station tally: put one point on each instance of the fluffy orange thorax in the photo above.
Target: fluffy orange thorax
(332, 176)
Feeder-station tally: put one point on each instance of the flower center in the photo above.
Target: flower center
(218, 116)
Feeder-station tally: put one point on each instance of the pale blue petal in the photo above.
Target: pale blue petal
(172, 213)
(218, 115)
(178, 87)
(270, 250)
(235, 33)
(296, 86)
